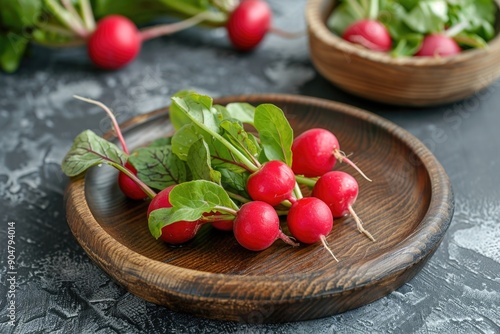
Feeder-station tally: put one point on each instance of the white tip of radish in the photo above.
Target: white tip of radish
(325, 245)
(341, 157)
(359, 224)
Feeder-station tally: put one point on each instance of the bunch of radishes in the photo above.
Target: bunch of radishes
(115, 40)
(213, 171)
(419, 28)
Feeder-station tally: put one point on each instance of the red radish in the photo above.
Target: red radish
(371, 34)
(438, 45)
(178, 232)
(257, 226)
(316, 151)
(339, 191)
(310, 220)
(272, 183)
(115, 42)
(248, 24)
(128, 186)
(223, 225)
(160, 200)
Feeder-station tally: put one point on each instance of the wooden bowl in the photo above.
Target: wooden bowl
(410, 81)
(408, 208)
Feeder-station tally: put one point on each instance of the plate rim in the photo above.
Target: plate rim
(438, 223)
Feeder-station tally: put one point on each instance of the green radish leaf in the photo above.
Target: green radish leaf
(408, 4)
(233, 178)
(199, 162)
(233, 173)
(158, 167)
(177, 115)
(183, 139)
(408, 45)
(89, 150)
(392, 16)
(428, 16)
(19, 14)
(12, 48)
(345, 14)
(206, 120)
(236, 135)
(474, 11)
(200, 193)
(189, 201)
(164, 141)
(160, 218)
(275, 133)
(470, 40)
(193, 107)
(220, 156)
(241, 111)
(477, 17)
(221, 112)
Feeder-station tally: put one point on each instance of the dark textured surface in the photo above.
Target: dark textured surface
(59, 290)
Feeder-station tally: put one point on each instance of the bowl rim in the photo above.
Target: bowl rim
(137, 263)
(317, 26)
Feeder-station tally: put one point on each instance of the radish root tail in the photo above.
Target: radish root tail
(325, 245)
(288, 240)
(341, 156)
(359, 224)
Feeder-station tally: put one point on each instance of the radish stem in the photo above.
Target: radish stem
(75, 16)
(87, 15)
(226, 209)
(237, 197)
(113, 120)
(151, 194)
(305, 180)
(216, 218)
(182, 7)
(373, 10)
(456, 29)
(70, 44)
(226, 6)
(62, 31)
(358, 10)
(297, 192)
(166, 29)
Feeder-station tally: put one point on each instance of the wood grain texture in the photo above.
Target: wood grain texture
(411, 81)
(408, 208)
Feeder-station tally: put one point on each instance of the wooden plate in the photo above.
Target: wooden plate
(408, 208)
